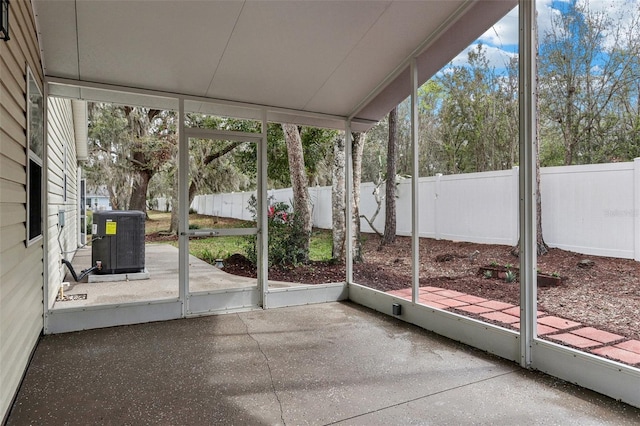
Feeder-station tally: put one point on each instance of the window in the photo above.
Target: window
(35, 143)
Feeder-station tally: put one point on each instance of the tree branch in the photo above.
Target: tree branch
(371, 225)
(210, 158)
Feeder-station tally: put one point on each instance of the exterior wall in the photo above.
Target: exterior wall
(21, 267)
(62, 166)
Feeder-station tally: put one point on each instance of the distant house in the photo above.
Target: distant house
(98, 199)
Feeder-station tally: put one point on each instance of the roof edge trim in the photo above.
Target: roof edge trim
(168, 100)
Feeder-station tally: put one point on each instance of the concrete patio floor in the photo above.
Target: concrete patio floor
(161, 261)
(334, 363)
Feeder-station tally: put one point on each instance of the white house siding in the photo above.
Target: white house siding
(21, 267)
(61, 140)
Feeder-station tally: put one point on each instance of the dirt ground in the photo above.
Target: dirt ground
(604, 294)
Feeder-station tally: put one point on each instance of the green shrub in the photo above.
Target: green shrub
(211, 256)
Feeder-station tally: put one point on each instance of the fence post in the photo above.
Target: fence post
(514, 214)
(636, 209)
(315, 205)
(436, 216)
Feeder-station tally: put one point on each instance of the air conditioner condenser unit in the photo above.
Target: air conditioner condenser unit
(118, 241)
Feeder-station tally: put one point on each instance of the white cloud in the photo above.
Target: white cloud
(501, 40)
(497, 57)
(505, 32)
(545, 12)
(621, 12)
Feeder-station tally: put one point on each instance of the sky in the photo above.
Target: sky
(501, 40)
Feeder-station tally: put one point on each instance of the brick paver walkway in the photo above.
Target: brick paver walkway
(556, 329)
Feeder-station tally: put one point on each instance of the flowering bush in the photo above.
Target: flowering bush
(286, 236)
(279, 212)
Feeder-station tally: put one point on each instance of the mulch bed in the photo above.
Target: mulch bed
(597, 291)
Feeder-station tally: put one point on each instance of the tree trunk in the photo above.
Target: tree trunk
(390, 197)
(139, 125)
(541, 246)
(138, 200)
(338, 200)
(356, 160)
(192, 186)
(298, 174)
(175, 206)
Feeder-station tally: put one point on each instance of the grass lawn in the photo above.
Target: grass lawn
(209, 249)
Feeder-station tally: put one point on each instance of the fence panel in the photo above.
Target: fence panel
(592, 209)
(477, 207)
(428, 188)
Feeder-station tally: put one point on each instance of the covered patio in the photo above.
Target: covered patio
(335, 353)
(333, 363)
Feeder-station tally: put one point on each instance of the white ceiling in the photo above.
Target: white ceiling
(341, 58)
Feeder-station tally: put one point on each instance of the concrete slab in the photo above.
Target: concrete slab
(161, 262)
(316, 364)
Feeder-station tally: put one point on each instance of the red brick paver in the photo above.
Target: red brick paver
(557, 322)
(501, 317)
(573, 340)
(449, 293)
(436, 305)
(471, 299)
(494, 304)
(618, 354)
(430, 288)
(430, 297)
(475, 309)
(515, 311)
(597, 335)
(453, 303)
(542, 329)
(631, 345)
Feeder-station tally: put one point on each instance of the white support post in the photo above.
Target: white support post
(636, 209)
(348, 197)
(527, 133)
(263, 228)
(415, 218)
(436, 206)
(514, 206)
(183, 207)
(45, 210)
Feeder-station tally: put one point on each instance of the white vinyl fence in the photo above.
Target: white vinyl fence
(593, 209)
